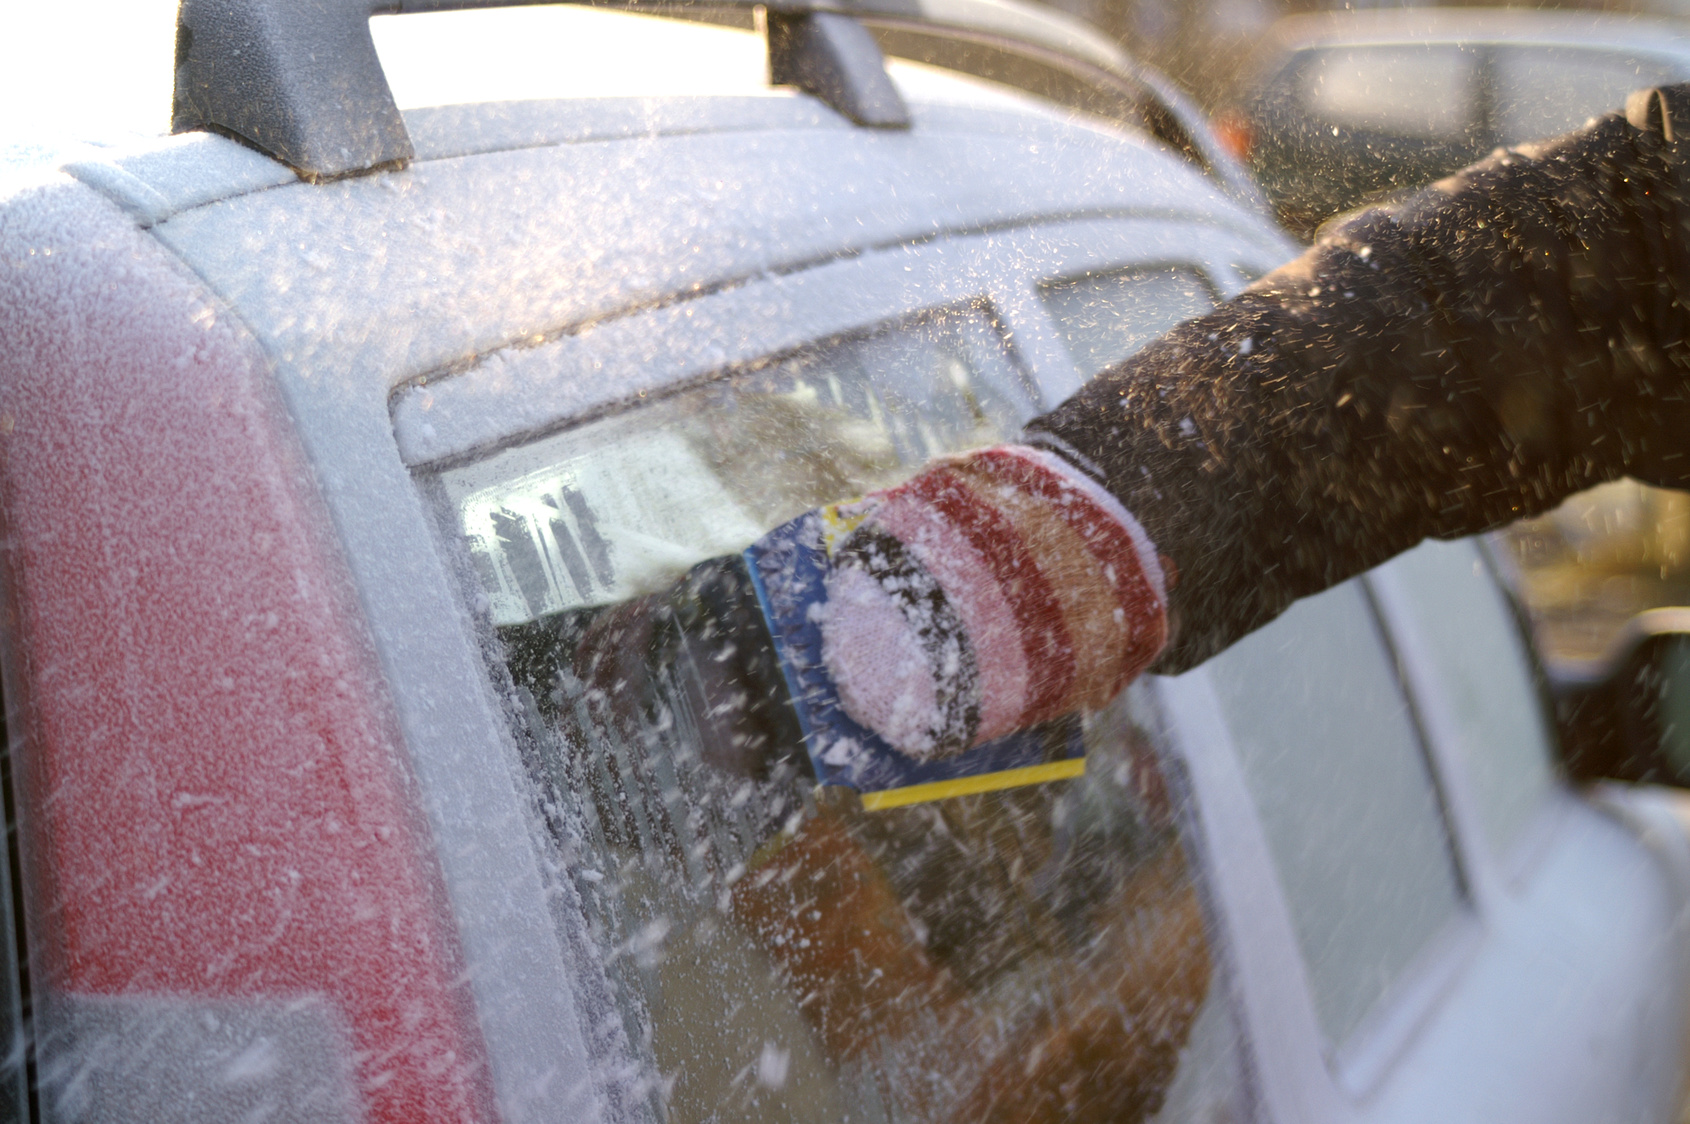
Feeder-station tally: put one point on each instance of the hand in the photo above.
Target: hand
(990, 592)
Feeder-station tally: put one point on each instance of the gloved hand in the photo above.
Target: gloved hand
(992, 591)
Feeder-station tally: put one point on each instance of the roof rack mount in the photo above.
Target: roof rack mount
(301, 81)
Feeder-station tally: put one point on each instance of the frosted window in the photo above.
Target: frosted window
(1546, 91)
(1105, 318)
(770, 951)
(1428, 91)
(1334, 763)
(623, 506)
(1483, 671)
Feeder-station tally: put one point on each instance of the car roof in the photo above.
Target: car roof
(658, 199)
(1442, 25)
(722, 190)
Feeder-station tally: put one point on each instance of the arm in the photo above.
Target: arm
(1438, 367)
(1442, 366)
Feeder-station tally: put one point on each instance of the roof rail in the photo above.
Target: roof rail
(299, 80)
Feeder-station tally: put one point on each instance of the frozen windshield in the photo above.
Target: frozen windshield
(771, 951)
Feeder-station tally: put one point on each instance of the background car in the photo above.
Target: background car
(297, 434)
(1349, 105)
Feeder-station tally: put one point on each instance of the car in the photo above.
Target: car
(1346, 106)
(316, 413)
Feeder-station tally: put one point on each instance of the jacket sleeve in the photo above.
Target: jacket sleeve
(1440, 366)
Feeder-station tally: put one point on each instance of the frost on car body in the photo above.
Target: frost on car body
(222, 823)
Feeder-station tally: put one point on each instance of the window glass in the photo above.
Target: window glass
(1104, 318)
(1427, 91)
(1546, 91)
(1483, 671)
(622, 507)
(1334, 763)
(771, 950)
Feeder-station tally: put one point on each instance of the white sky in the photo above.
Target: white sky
(100, 70)
(85, 69)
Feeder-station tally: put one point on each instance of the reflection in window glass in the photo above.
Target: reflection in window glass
(622, 507)
(1546, 91)
(771, 951)
(1483, 670)
(1427, 91)
(1107, 317)
(1333, 761)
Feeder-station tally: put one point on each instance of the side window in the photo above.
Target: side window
(1545, 91)
(772, 950)
(1334, 763)
(1484, 672)
(1106, 317)
(624, 506)
(1428, 92)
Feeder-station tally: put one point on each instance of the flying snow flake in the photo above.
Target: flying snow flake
(772, 1065)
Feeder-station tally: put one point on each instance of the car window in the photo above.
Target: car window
(1546, 91)
(1334, 763)
(776, 952)
(623, 507)
(1426, 91)
(1483, 672)
(1104, 318)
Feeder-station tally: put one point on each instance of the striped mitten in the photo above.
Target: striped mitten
(991, 592)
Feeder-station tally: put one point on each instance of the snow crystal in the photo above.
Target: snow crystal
(772, 1066)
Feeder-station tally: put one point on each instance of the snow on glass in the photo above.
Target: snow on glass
(771, 951)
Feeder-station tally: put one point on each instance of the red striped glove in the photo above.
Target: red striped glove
(991, 592)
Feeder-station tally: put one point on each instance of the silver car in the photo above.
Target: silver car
(310, 409)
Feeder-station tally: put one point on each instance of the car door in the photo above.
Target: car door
(1433, 924)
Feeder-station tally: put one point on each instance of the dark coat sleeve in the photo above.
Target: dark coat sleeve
(1441, 366)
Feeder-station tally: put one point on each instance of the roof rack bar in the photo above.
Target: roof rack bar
(299, 80)
(832, 57)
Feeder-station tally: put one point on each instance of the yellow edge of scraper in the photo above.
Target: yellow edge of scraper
(964, 786)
